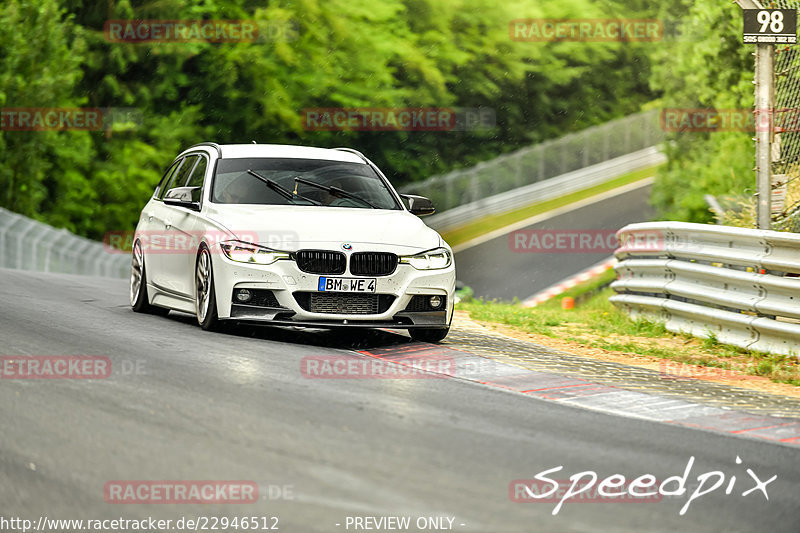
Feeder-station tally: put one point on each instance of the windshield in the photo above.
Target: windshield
(245, 181)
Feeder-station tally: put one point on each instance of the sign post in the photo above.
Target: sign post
(765, 90)
(765, 28)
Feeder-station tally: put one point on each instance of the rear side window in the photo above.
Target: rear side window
(165, 179)
(199, 172)
(178, 177)
(182, 175)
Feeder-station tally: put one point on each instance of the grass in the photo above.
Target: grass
(480, 227)
(584, 290)
(596, 323)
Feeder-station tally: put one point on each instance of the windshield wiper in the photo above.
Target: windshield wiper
(335, 191)
(278, 188)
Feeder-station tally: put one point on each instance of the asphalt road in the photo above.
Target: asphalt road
(495, 270)
(206, 406)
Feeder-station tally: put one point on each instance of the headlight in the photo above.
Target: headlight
(430, 260)
(250, 253)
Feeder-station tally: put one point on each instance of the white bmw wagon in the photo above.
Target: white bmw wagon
(290, 235)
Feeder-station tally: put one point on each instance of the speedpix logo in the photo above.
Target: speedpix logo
(644, 488)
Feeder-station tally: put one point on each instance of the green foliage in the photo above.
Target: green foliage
(332, 53)
(704, 66)
(39, 72)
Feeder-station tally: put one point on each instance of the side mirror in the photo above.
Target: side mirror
(419, 205)
(184, 197)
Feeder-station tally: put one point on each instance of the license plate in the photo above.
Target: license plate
(327, 284)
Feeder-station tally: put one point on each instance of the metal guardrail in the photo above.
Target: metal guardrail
(739, 285)
(542, 161)
(27, 244)
(547, 189)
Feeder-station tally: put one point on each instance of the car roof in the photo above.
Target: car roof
(242, 151)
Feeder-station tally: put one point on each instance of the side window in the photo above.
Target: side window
(166, 183)
(180, 176)
(199, 172)
(161, 187)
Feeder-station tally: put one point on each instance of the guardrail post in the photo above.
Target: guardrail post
(20, 242)
(540, 159)
(35, 245)
(627, 138)
(10, 218)
(82, 262)
(50, 246)
(585, 160)
(474, 187)
(448, 191)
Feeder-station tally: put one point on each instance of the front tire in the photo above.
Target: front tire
(433, 335)
(205, 295)
(138, 293)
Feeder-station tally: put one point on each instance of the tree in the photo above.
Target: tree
(705, 65)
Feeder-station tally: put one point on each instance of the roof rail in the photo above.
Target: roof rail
(213, 145)
(352, 151)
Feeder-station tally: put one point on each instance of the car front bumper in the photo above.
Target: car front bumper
(292, 288)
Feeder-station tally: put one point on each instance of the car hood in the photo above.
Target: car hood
(292, 228)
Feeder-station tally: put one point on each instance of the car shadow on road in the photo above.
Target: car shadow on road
(342, 338)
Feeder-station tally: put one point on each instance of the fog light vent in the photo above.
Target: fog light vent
(243, 295)
(422, 303)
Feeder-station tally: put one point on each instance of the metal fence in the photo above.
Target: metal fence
(736, 284)
(27, 244)
(542, 161)
(547, 189)
(786, 144)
